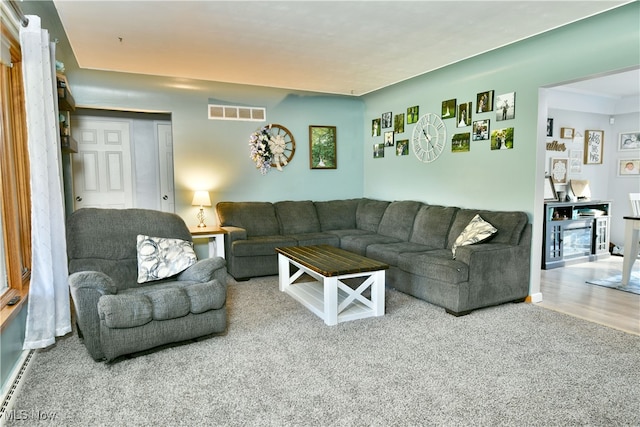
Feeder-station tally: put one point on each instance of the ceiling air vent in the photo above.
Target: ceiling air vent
(230, 112)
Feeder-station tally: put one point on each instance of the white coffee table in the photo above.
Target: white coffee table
(328, 296)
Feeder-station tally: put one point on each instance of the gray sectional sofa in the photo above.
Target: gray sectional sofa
(414, 238)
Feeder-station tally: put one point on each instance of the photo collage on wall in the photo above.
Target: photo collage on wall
(464, 115)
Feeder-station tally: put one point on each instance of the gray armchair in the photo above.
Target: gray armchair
(115, 314)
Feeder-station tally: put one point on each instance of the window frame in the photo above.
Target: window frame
(15, 191)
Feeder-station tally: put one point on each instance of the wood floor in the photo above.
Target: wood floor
(564, 290)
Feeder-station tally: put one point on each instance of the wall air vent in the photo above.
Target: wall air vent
(230, 112)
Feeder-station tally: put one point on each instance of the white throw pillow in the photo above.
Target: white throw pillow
(159, 257)
(476, 231)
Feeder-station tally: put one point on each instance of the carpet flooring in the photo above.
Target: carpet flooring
(615, 282)
(280, 365)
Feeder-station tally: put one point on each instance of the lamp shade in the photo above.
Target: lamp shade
(201, 198)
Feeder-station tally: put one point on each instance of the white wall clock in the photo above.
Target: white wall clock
(429, 137)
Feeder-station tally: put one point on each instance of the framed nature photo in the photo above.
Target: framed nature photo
(398, 123)
(629, 167)
(480, 130)
(484, 102)
(413, 113)
(506, 106)
(629, 141)
(322, 147)
(448, 109)
(593, 147)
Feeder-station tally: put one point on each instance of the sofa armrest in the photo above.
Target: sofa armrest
(205, 270)
(498, 272)
(87, 287)
(235, 233)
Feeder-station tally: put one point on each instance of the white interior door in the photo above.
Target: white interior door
(165, 157)
(102, 175)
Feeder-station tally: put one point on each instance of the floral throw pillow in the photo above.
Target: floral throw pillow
(159, 257)
(476, 231)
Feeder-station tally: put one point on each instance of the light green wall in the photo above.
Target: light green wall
(214, 154)
(495, 179)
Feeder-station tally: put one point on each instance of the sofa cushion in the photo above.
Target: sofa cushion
(309, 239)
(337, 214)
(169, 303)
(369, 213)
(398, 219)
(297, 217)
(258, 218)
(125, 311)
(436, 264)
(260, 246)
(161, 257)
(478, 230)
(431, 226)
(389, 252)
(358, 243)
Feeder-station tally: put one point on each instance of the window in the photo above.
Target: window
(15, 197)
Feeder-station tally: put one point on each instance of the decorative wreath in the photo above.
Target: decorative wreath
(271, 145)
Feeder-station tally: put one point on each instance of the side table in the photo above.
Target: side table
(215, 236)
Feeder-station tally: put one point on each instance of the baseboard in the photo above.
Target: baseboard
(537, 297)
(14, 381)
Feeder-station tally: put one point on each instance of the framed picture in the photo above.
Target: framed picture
(484, 102)
(480, 130)
(322, 147)
(460, 142)
(593, 147)
(566, 133)
(502, 139)
(506, 106)
(559, 170)
(398, 123)
(629, 167)
(378, 150)
(550, 194)
(629, 141)
(388, 139)
(575, 161)
(464, 115)
(413, 114)
(386, 120)
(448, 109)
(375, 127)
(402, 147)
(549, 127)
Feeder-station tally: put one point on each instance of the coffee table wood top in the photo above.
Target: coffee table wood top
(331, 261)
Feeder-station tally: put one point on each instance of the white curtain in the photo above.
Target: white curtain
(48, 314)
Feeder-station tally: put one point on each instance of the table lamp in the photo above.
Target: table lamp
(201, 198)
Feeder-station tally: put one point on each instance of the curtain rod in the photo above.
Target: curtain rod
(24, 21)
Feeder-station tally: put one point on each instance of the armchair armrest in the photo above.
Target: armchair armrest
(86, 289)
(205, 270)
(233, 234)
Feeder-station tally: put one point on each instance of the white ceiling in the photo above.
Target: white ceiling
(342, 47)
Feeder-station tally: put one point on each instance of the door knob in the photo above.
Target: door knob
(78, 199)
(165, 197)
